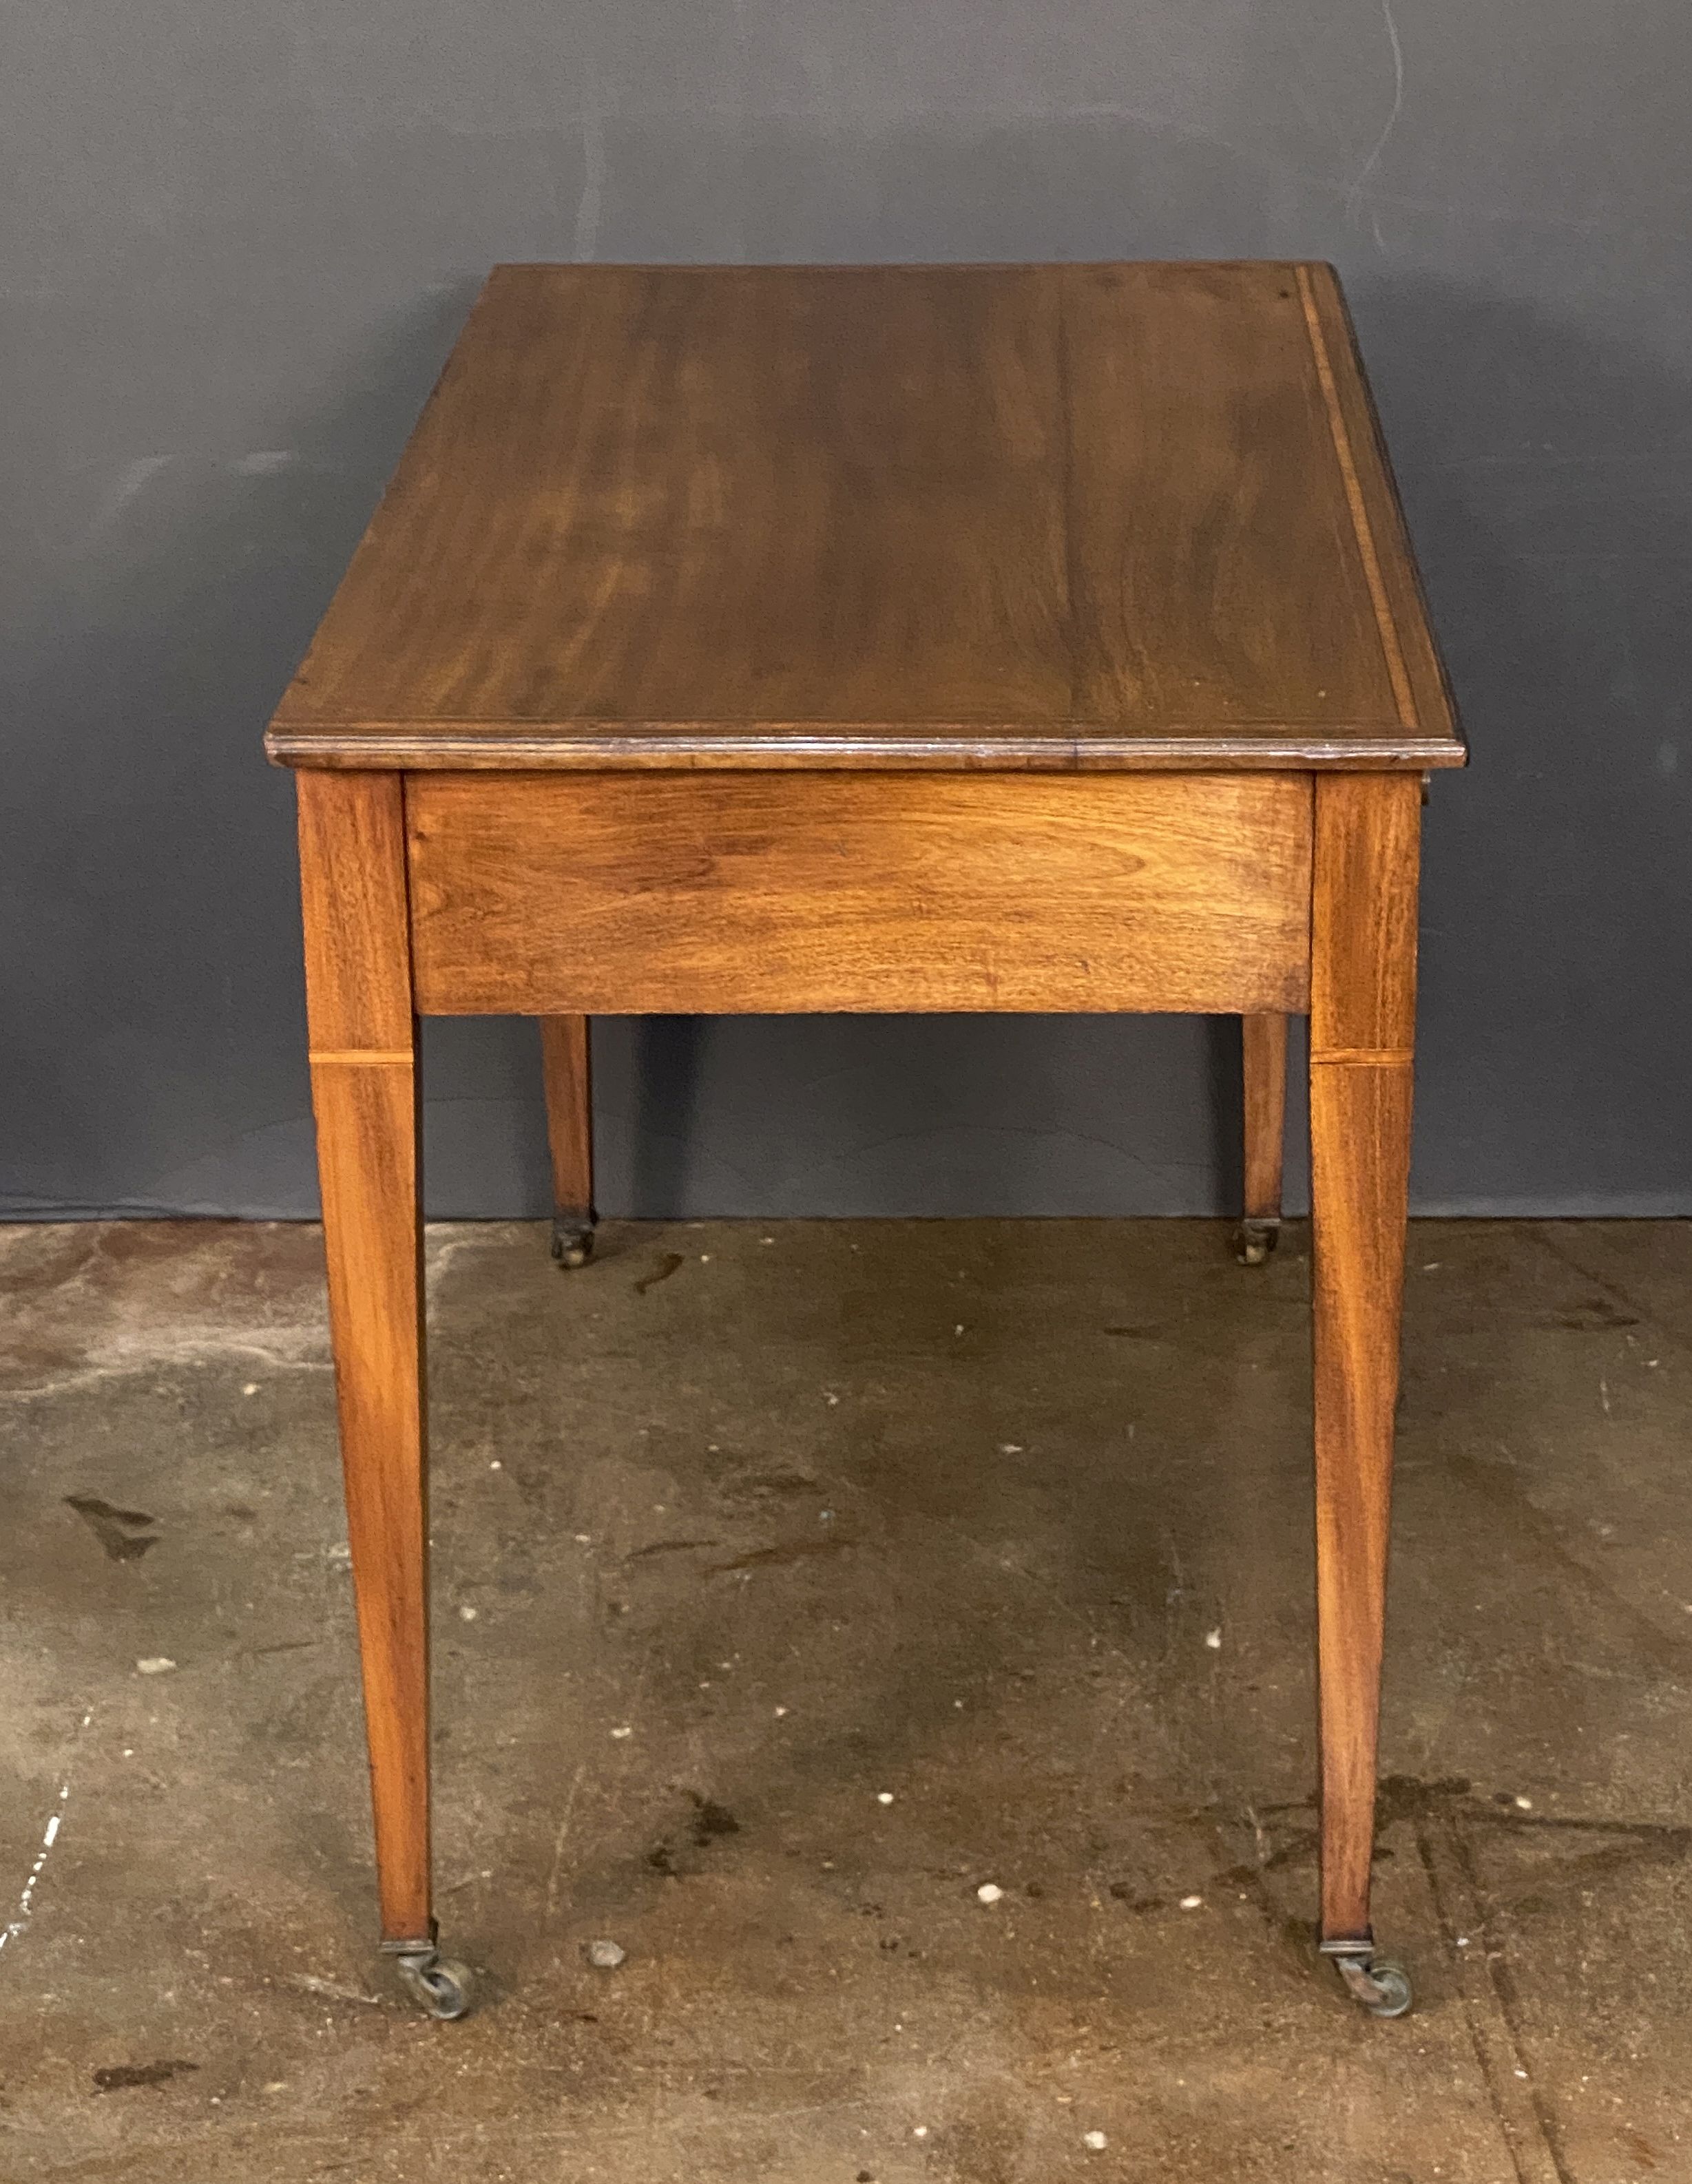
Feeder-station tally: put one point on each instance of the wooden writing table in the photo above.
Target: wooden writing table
(781, 638)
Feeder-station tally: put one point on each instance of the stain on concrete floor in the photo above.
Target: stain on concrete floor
(787, 1594)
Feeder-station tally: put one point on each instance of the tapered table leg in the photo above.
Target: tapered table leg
(364, 1089)
(1362, 1018)
(566, 1062)
(1264, 1055)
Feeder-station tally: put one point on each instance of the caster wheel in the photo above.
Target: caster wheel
(1255, 1241)
(1377, 1984)
(441, 1984)
(573, 1242)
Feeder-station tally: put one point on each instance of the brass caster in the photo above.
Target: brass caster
(1256, 1240)
(572, 1241)
(442, 1986)
(1376, 1984)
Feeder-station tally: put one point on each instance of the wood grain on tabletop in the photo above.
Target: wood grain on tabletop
(941, 516)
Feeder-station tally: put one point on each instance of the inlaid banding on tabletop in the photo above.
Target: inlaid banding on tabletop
(1363, 1057)
(1362, 529)
(367, 1057)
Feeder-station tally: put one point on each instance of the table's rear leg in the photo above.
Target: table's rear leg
(566, 1059)
(364, 1090)
(1362, 1011)
(1264, 1054)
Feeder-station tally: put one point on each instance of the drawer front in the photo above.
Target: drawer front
(719, 894)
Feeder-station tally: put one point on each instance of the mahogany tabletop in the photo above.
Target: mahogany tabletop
(1096, 516)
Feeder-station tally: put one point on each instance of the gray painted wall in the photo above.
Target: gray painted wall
(239, 241)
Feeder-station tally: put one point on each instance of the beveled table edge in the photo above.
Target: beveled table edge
(964, 747)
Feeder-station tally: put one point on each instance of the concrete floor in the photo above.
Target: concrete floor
(743, 1531)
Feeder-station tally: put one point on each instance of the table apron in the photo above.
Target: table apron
(609, 894)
